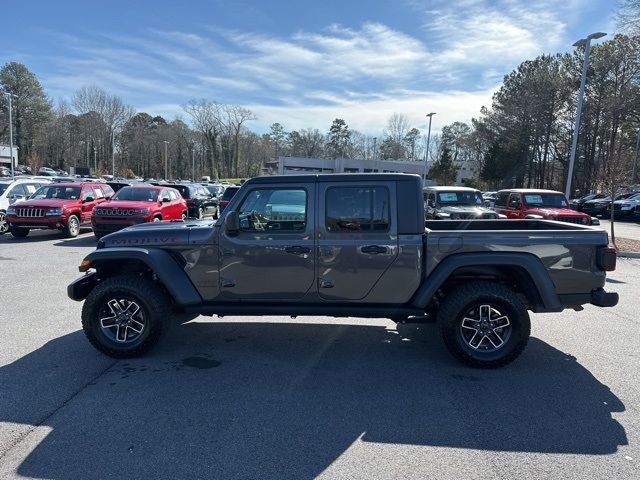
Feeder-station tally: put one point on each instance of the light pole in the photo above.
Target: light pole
(165, 159)
(113, 154)
(193, 161)
(635, 159)
(586, 42)
(426, 153)
(10, 96)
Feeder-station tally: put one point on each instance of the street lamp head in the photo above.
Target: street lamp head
(583, 41)
(596, 35)
(431, 114)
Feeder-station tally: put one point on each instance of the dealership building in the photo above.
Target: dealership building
(301, 165)
(5, 156)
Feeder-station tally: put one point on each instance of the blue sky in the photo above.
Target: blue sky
(301, 63)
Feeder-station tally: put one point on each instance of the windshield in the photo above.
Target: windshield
(460, 198)
(554, 200)
(214, 190)
(137, 194)
(57, 191)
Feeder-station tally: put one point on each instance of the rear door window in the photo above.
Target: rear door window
(357, 209)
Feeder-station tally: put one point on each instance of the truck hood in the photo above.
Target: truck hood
(158, 234)
(49, 202)
(465, 209)
(555, 212)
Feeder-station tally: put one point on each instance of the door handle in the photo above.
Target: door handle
(297, 249)
(373, 249)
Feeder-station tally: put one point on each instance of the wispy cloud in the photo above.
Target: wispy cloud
(305, 79)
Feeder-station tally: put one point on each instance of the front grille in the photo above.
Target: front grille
(30, 212)
(571, 220)
(114, 212)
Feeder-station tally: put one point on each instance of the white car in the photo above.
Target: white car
(12, 191)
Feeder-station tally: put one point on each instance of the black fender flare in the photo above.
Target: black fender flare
(529, 262)
(160, 262)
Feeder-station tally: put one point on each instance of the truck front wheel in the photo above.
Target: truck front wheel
(484, 324)
(123, 316)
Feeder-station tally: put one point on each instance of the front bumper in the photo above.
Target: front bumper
(37, 222)
(79, 289)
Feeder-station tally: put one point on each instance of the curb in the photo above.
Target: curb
(629, 254)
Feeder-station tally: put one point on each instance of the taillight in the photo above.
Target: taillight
(606, 258)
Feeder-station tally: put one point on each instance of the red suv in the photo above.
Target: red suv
(138, 204)
(59, 206)
(529, 203)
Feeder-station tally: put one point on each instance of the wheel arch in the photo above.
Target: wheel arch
(524, 272)
(158, 264)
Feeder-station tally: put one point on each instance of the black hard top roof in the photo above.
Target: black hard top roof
(333, 177)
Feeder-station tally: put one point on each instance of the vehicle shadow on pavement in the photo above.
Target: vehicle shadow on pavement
(36, 236)
(280, 400)
(83, 241)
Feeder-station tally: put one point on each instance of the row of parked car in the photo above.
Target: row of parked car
(61, 204)
(625, 205)
(458, 203)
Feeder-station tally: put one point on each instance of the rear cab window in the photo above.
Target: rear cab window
(349, 209)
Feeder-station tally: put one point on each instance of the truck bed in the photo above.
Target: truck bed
(566, 250)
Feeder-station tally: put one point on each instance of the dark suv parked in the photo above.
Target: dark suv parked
(200, 202)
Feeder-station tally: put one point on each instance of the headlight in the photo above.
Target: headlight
(11, 210)
(54, 211)
(502, 216)
(584, 220)
(626, 206)
(443, 216)
(140, 211)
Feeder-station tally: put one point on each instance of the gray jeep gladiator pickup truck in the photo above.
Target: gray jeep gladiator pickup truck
(350, 245)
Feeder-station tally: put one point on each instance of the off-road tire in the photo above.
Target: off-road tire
(455, 306)
(4, 226)
(19, 232)
(147, 294)
(72, 229)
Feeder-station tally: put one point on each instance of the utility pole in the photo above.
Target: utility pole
(635, 159)
(165, 160)
(375, 153)
(193, 161)
(586, 42)
(113, 154)
(426, 153)
(10, 96)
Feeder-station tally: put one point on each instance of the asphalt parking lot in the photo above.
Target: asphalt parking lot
(333, 398)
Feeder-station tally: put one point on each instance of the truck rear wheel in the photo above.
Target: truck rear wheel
(123, 316)
(484, 324)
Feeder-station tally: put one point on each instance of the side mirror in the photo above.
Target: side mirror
(232, 223)
(88, 199)
(166, 200)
